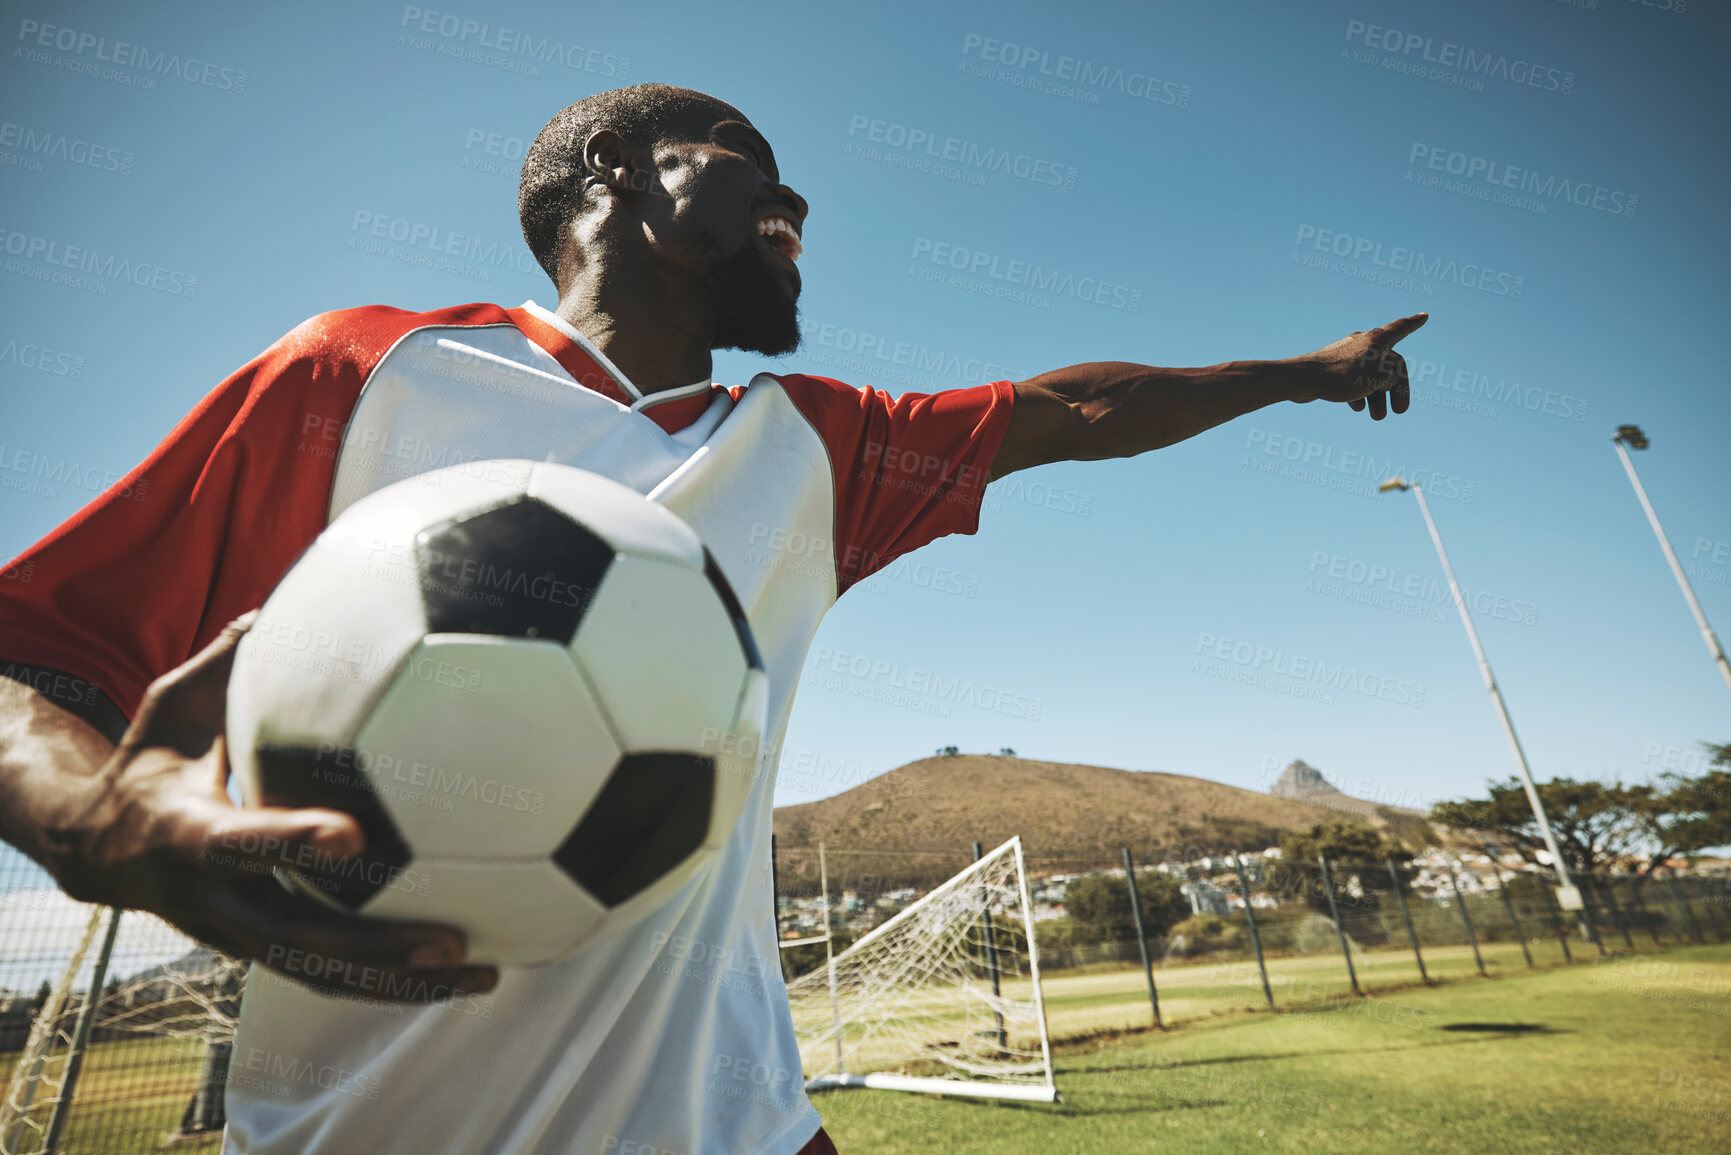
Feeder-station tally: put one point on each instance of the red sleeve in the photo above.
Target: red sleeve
(908, 469)
(149, 572)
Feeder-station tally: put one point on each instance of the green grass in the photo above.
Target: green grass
(131, 1094)
(1629, 1054)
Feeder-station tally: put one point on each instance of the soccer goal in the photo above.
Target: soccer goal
(944, 998)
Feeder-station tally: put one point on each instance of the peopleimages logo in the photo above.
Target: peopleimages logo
(1469, 61)
(1400, 260)
(465, 37)
(36, 145)
(1487, 177)
(1499, 390)
(41, 358)
(976, 263)
(955, 149)
(1069, 76)
(1347, 470)
(79, 259)
(1298, 675)
(434, 247)
(93, 50)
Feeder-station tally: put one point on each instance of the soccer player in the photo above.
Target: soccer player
(661, 217)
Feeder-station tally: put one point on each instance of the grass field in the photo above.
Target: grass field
(131, 1094)
(1115, 997)
(1626, 1055)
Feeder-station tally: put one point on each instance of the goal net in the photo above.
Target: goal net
(943, 998)
(125, 1043)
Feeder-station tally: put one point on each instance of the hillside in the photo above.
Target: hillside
(913, 825)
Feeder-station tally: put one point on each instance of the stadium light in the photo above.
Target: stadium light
(1568, 896)
(1630, 437)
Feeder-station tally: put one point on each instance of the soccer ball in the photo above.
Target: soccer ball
(533, 687)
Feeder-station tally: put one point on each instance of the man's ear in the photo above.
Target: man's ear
(620, 165)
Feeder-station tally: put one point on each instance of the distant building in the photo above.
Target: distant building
(1205, 897)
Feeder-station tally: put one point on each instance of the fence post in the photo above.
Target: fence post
(992, 958)
(81, 1037)
(1509, 905)
(1635, 882)
(1461, 899)
(775, 905)
(1406, 917)
(1617, 919)
(1590, 916)
(1556, 922)
(207, 1111)
(1345, 951)
(1141, 936)
(1255, 936)
(1713, 915)
(1677, 896)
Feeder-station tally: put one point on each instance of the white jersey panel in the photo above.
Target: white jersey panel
(675, 1034)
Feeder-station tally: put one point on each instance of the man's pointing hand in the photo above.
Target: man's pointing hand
(1361, 369)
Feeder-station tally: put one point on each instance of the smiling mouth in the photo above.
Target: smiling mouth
(781, 235)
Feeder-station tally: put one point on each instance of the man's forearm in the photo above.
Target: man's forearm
(1129, 409)
(49, 763)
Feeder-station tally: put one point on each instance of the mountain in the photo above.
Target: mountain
(914, 825)
(1303, 782)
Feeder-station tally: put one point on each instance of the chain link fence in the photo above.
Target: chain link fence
(143, 1065)
(1260, 932)
(140, 1065)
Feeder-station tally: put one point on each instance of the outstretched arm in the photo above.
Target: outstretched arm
(1107, 409)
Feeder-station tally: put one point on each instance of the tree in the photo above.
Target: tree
(1595, 824)
(1341, 840)
(1683, 815)
(1355, 853)
(1098, 906)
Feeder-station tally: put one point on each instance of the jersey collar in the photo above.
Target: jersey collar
(674, 408)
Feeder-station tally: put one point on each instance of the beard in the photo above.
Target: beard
(756, 311)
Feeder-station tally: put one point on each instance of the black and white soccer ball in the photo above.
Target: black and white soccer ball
(532, 686)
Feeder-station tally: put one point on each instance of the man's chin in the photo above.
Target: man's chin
(772, 330)
(756, 305)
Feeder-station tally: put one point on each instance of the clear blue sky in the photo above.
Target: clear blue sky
(1107, 598)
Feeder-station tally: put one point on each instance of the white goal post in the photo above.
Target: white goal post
(944, 998)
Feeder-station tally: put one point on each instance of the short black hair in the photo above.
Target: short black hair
(551, 189)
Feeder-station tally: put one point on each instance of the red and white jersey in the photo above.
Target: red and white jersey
(675, 1035)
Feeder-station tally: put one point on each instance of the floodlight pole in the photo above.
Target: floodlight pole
(1490, 682)
(1707, 634)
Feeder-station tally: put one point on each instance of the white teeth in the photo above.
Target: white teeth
(792, 246)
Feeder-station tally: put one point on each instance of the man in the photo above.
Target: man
(661, 217)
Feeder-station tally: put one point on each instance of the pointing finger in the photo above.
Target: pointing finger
(1388, 334)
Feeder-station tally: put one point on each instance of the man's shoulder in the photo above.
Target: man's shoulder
(813, 382)
(366, 332)
(811, 393)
